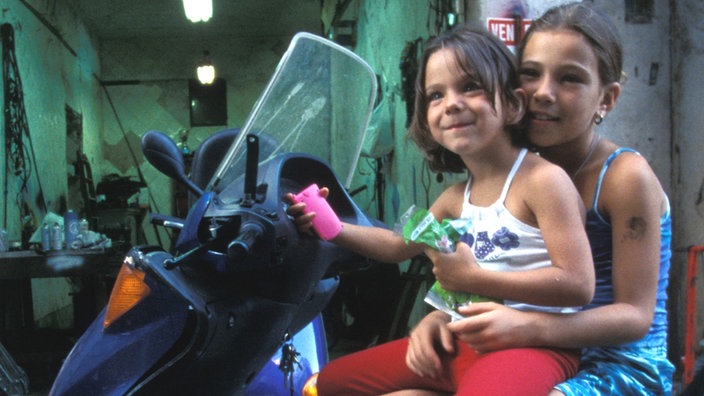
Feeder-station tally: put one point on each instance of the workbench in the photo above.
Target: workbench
(38, 350)
(25, 264)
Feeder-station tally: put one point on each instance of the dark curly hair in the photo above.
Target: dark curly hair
(481, 54)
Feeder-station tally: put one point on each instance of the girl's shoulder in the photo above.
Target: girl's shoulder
(543, 190)
(627, 167)
(540, 182)
(541, 173)
(629, 182)
(449, 202)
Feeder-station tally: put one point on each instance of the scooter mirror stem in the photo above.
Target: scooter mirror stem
(250, 175)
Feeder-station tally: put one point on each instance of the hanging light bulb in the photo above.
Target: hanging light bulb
(198, 10)
(206, 70)
(206, 74)
(451, 19)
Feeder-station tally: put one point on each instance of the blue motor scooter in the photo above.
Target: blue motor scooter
(237, 309)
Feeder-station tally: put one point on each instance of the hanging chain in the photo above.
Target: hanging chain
(289, 362)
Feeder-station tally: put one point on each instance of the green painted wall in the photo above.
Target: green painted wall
(55, 71)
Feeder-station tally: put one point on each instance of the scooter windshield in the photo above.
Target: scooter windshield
(318, 102)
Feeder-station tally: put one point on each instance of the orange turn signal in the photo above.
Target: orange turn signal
(311, 386)
(129, 289)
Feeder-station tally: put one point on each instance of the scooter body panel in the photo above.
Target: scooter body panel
(109, 362)
(155, 346)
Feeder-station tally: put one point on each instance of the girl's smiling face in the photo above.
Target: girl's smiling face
(560, 74)
(460, 116)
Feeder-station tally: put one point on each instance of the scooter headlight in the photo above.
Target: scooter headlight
(129, 289)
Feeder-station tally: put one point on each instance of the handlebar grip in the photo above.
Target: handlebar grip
(241, 246)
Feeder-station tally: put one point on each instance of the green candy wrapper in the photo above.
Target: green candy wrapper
(420, 226)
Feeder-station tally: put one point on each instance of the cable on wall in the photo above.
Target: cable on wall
(19, 151)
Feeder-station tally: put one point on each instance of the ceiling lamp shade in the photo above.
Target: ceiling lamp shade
(206, 74)
(206, 70)
(198, 10)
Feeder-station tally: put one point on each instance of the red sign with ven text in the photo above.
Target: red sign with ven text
(505, 29)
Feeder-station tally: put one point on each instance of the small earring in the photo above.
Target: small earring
(599, 118)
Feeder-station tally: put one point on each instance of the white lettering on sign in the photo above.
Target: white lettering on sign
(505, 29)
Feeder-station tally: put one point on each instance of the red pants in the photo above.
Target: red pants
(382, 369)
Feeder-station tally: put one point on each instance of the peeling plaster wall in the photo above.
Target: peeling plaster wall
(384, 30)
(688, 143)
(54, 72)
(159, 97)
(642, 117)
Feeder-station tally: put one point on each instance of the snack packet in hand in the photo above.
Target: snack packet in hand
(420, 226)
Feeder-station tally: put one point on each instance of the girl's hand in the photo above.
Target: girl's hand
(303, 221)
(422, 357)
(491, 326)
(454, 270)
